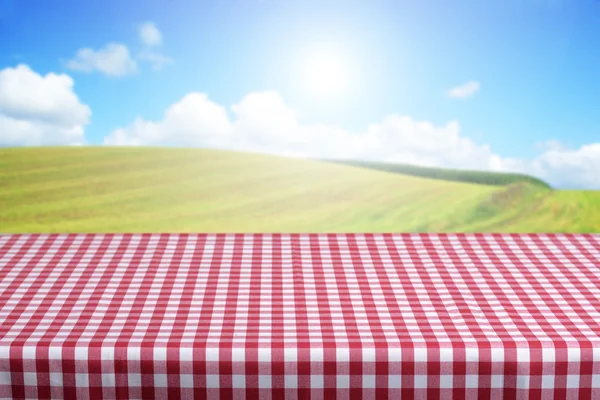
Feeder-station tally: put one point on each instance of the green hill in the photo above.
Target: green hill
(104, 189)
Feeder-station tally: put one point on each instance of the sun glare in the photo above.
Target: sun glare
(325, 74)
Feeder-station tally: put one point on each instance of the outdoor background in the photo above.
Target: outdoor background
(299, 116)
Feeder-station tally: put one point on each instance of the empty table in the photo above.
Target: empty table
(259, 316)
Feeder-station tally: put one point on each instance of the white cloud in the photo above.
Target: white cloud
(194, 120)
(570, 168)
(39, 110)
(157, 60)
(149, 34)
(464, 91)
(152, 38)
(549, 145)
(263, 122)
(113, 59)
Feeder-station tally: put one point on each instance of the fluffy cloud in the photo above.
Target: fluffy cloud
(570, 168)
(149, 34)
(464, 91)
(151, 37)
(194, 120)
(113, 59)
(155, 58)
(39, 110)
(263, 122)
(549, 145)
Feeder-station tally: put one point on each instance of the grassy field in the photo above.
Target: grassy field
(103, 189)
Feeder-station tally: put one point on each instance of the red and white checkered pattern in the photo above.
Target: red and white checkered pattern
(265, 316)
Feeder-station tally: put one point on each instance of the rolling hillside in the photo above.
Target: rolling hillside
(102, 189)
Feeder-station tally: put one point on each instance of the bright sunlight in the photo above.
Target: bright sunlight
(325, 73)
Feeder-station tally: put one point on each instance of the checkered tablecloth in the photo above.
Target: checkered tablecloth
(261, 316)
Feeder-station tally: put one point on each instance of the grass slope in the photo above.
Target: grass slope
(103, 189)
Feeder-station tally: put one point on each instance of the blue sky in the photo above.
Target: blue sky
(529, 72)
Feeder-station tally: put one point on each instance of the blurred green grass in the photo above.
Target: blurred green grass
(105, 189)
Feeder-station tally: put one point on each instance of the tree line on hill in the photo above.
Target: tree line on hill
(480, 177)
